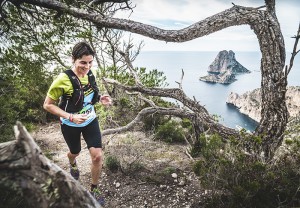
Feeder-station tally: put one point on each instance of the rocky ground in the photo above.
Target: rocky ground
(152, 173)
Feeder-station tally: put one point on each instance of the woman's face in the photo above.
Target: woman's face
(83, 65)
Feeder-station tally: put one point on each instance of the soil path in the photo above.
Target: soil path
(153, 174)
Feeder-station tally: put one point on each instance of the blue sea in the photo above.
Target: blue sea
(212, 96)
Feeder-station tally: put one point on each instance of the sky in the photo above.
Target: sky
(178, 14)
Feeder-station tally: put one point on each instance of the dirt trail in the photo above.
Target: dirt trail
(153, 173)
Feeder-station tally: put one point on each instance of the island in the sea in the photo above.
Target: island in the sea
(224, 68)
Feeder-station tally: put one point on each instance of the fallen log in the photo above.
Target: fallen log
(25, 170)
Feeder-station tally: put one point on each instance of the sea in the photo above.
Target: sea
(212, 96)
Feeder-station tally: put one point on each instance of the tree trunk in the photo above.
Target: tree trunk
(274, 113)
(42, 184)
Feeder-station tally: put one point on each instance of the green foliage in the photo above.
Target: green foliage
(131, 105)
(150, 78)
(244, 180)
(112, 163)
(186, 123)
(22, 91)
(35, 49)
(151, 122)
(28, 49)
(170, 132)
(209, 147)
(125, 103)
(104, 114)
(131, 168)
(216, 117)
(169, 170)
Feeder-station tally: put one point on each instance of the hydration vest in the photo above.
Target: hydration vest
(74, 103)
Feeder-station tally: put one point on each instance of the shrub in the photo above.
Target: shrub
(170, 132)
(244, 180)
(112, 163)
(131, 168)
(208, 147)
(151, 122)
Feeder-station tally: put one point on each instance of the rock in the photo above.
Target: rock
(249, 103)
(174, 175)
(224, 68)
(223, 78)
(225, 61)
(181, 182)
(118, 185)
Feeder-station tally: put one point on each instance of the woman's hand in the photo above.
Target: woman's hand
(106, 100)
(79, 118)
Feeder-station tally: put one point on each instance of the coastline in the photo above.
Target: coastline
(249, 103)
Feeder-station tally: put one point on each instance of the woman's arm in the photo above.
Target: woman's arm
(51, 107)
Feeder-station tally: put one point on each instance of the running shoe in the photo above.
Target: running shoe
(74, 171)
(97, 195)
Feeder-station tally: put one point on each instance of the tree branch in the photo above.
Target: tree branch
(180, 83)
(146, 111)
(125, 55)
(294, 53)
(95, 2)
(270, 6)
(195, 112)
(219, 21)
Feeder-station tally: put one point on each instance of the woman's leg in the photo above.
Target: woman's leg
(96, 167)
(72, 158)
(92, 136)
(72, 138)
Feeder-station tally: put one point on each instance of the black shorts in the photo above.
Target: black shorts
(91, 134)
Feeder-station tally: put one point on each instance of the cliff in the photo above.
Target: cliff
(249, 103)
(224, 68)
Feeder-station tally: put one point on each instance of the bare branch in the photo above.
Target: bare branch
(180, 83)
(188, 154)
(3, 17)
(146, 111)
(150, 102)
(125, 55)
(294, 53)
(95, 2)
(220, 21)
(270, 5)
(195, 112)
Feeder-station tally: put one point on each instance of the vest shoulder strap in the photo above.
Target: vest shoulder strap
(91, 77)
(74, 79)
(76, 82)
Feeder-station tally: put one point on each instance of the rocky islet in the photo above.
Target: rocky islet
(224, 68)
